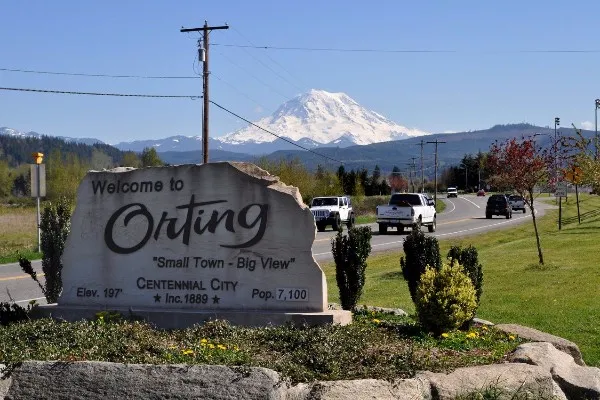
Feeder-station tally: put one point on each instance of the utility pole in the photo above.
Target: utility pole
(422, 170)
(436, 166)
(203, 55)
(414, 172)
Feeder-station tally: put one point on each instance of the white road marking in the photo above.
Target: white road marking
(465, 199)
(28, 300)
(445, 234)
(453, 207)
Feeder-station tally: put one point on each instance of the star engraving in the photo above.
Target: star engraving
(216, 300)
(157, 298)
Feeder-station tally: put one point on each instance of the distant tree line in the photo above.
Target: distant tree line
(66, 164)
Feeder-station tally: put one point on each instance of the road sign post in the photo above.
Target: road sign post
(560, 192)
(38, 189)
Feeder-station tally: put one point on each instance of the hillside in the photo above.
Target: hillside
(18, 149)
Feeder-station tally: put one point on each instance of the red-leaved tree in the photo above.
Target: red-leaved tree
(397, 182)
(518, 164)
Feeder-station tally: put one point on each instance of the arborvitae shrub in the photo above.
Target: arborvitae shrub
(420, 251)
(469, 260)
(350, 254)
(445, 299)
(55, 225)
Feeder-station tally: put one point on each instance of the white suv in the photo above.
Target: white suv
(333, 211)
(452, 192)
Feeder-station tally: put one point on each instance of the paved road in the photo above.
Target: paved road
(463, 216)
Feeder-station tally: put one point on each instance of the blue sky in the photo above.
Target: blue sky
(487, 80)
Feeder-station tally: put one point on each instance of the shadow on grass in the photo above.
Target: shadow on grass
(393, 275)
(539, 267)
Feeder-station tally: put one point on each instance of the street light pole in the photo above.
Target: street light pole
(466, 177)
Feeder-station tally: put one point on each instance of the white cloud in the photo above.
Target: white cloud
(449, 131)
(258, 109)
(588, 125)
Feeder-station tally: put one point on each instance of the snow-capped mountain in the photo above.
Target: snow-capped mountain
(314, 119)
(16, 133)
(325, 118)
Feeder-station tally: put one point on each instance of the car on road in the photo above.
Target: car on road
(498, 204)
(452, 192)
(407, 210)
(332, 210)
(481, 192)
(517, 202)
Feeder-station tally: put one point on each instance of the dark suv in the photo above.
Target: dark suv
(498, 204)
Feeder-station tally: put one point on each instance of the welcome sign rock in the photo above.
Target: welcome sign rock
(178, 245)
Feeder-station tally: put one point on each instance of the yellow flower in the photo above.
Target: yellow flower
(211, 346)
(472, 335)
(221, 347)
(484, 328)
(445, 335)
(235, 347)
(376, 321)
(187, 352)
(511, 337)
(172, 347)
(203, 341)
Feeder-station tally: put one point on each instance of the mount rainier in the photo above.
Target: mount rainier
(313, 119)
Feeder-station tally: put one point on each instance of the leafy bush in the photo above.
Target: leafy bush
(376, 345)
(12, 312)
(445, 299)
(350, 254)
(55, 225)
(469, 260)
(421, 251)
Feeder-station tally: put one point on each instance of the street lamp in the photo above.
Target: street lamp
(596, 132)
(466, 176)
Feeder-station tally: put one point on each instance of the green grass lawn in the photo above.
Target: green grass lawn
(18, 233)
(560, 298)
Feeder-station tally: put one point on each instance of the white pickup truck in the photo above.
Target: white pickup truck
(407, 209)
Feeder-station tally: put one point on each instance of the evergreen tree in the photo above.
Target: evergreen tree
(6, 184)
(150, 158)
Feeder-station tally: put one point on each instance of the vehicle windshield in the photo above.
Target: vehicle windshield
(497, 199)
(405, 199)
(324, 201)
(516, 198)
(451, 189)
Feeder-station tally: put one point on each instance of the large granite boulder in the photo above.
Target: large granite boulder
(535, 335)
(504, 381)
(576, 381)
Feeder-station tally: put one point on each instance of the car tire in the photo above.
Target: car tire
(432, 226)
(524, 211)
(320, 227)
(382, 229)
(351, 221)
(488, 216)
(337, 222)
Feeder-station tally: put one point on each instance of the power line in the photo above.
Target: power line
(30, 71)
(357, 50)
(274, 134)
(101, 94)
(265, 65)
(237, 90)
(254, 76)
